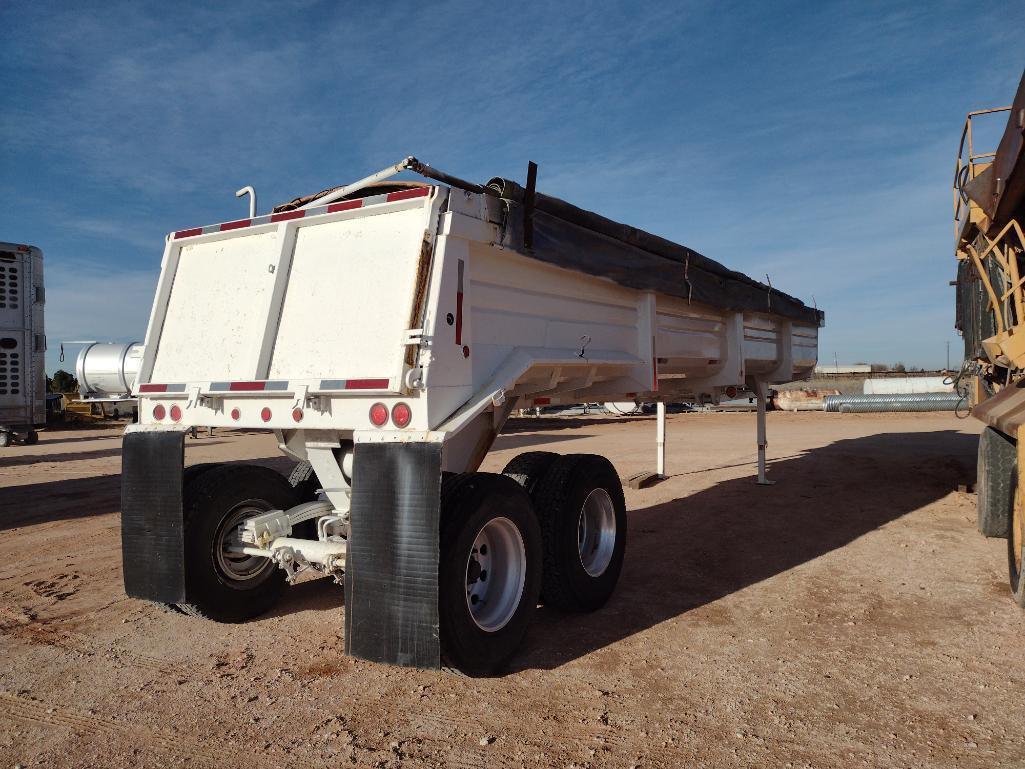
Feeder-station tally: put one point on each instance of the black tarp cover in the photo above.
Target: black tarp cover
(570, 237)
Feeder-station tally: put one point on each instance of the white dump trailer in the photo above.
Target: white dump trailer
(22, 343)
(384, 332)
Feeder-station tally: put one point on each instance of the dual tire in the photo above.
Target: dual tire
(1001, 503)
(550, 528)
(582, 513)
(222, 585)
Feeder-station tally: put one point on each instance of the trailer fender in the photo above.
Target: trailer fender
(391, 572)
(152, 521)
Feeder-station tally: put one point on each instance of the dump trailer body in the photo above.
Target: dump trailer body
(426, 296)
(22, 342)
(385, 339)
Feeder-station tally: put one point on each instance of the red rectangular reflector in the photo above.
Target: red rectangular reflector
(23, 249)
(347, 205)
(235, 225)
(188, 233)
(286, 215)
(366, 384)
(542, 401)
(236, 386)
(416, 192)
(153, 388)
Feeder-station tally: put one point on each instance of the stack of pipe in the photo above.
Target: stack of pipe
(847, 404)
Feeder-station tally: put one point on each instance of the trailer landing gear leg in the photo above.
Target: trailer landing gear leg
(647, 478)
(660, 441)
(761, 392)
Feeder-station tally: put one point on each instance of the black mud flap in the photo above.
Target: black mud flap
(152, 522)
(391, 566)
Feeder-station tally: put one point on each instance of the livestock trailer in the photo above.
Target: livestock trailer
(385, 331)
(22, 343)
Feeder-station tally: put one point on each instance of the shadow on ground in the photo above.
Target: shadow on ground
(694, 550)
(70, 498)
(681, 554)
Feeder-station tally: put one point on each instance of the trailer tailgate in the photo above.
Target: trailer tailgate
(328, 295)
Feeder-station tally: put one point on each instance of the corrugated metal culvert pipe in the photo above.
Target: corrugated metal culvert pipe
(853, 404)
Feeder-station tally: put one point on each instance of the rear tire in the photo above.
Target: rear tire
(1016, 548)
(305, 482)
(189, 474)
(31, 438)
(582, 512)
(528, 468)
(225, 587)
(192, 472)
(997, 471)
(489, 573)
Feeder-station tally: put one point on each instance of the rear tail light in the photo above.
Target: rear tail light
(265, 414)
(158, 412)
(731, 392)
(400, 415)
(378, 414)
(297, 415)
(236, 414)
(176, 413)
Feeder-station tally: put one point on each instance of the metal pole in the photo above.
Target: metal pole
(252, 199)
(366, 181)
(660, 440)
(760, 397)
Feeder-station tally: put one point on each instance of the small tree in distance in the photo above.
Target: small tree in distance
(63, 382)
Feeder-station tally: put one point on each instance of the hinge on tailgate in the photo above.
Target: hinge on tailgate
(414, 337)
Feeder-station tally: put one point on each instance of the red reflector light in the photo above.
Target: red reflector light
(379, 414)
(400, 415)
(176, 413)
(297, 415)
(265, 414)
(158, 412)
(731, 392)
(236, 414)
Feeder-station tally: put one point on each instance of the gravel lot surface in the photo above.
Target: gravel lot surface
(848, 616)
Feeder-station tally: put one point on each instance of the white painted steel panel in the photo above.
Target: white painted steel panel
(215, 317)
(349, 298)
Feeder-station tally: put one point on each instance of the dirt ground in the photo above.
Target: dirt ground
(848, 616)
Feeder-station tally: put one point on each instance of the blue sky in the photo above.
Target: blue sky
(814, 142)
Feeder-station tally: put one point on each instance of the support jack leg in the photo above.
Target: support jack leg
(761, 394)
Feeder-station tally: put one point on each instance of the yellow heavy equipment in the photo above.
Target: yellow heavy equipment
(989, 243)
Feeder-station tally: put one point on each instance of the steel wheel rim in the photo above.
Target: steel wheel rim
(596, 532)
(239, 567)
(1017, 531)
(496, 570)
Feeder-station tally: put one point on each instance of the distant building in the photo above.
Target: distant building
(857, 368)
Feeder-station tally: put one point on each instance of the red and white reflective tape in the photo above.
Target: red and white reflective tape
(284, 216)
(270, 386)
